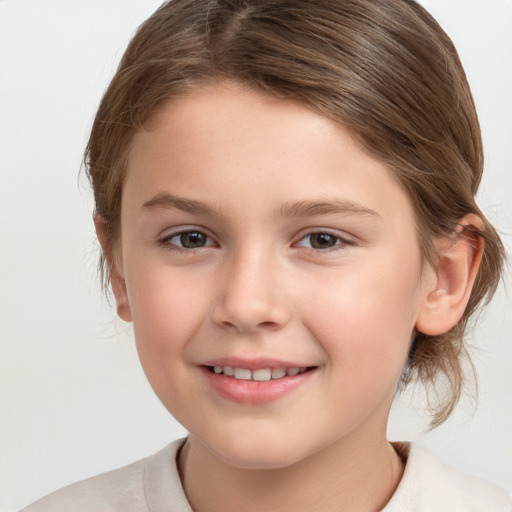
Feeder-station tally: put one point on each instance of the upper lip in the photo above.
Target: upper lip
(254, 364)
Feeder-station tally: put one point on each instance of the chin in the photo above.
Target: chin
(258, 459)
(256, 452)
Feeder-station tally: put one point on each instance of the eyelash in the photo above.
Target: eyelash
(340, 242)
(166, 242)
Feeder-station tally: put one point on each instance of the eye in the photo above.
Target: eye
(192, 239)
(321, 240)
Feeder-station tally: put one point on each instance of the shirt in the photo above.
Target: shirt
(153, 485)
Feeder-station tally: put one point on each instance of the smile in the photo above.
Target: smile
(256, 385)
(260, 374)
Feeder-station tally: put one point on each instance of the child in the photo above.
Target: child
(285, 202)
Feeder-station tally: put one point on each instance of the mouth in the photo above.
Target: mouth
(256, 385)
(259, 374)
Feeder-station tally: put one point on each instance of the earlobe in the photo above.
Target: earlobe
(115, 271)
(455, 273)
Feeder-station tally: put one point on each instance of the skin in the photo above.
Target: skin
(259, 287)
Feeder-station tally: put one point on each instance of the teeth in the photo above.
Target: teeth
(261, 374)
(278, 373)
(243, 374)
(227, 370)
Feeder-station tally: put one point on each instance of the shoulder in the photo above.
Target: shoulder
(429, 485)
(121, 489)
(132, 488)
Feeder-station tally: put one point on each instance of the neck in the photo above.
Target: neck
(347, 476)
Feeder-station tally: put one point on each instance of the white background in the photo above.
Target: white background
(73, 401)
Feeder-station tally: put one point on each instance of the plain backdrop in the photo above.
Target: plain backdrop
(73, 400)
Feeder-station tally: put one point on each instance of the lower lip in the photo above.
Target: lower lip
(252, 391)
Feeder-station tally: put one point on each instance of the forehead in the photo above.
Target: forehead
(213, 109)
(224, 140)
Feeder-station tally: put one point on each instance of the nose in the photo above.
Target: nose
(252, 298)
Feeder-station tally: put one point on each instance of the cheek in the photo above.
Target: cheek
(168, 307)
(364, 317)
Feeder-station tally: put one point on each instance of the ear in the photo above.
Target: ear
(115, 269)
(455, 273)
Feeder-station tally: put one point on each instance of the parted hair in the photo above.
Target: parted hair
(383, 68)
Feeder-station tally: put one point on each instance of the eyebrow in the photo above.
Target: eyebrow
(165, 201)
(306, 208)
(324, 207)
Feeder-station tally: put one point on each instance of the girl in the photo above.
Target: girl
(285, 203)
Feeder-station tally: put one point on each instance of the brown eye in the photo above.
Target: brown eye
(189, 240)
(192, 239)
(322, 240)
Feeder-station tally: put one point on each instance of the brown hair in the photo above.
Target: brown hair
(384, 68)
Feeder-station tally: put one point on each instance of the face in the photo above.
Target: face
(272, 272)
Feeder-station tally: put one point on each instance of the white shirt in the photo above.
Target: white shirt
(153, 485)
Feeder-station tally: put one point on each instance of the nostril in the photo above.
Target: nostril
(249, 315)
(268, 325)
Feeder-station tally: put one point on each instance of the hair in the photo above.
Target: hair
(383, 68)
